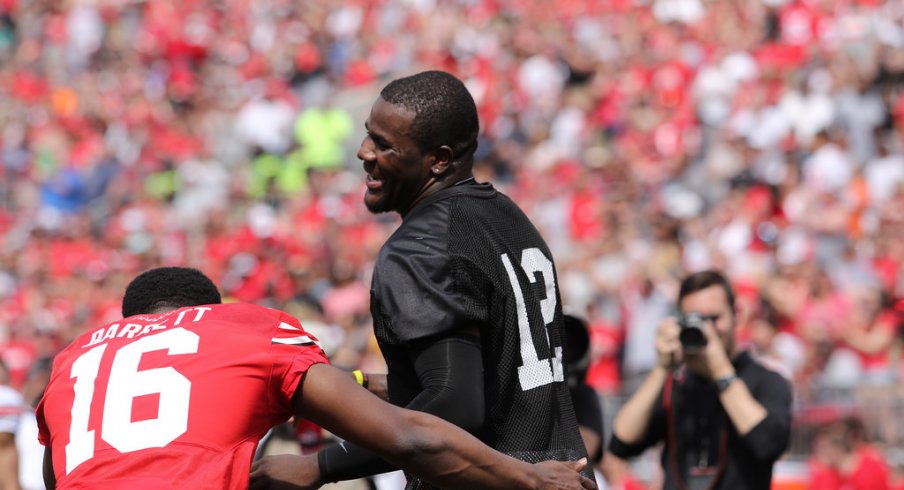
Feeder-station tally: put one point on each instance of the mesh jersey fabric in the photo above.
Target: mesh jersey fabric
(467, 256)
(178, 399)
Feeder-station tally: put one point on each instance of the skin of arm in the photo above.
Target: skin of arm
(420, 443)
(377, 384)
(632, 420)
(744, 411)
(591, 439)
(634, 417)
(870, 340)
(615, 470)
(49, 476)
(9, 462)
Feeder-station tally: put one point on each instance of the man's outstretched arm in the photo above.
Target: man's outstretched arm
(418, 442)
(450, 372)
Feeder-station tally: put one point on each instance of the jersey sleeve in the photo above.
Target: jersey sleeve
(43, 431)
(416, 289)
(293, 352)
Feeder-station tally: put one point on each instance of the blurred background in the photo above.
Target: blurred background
(645, 138)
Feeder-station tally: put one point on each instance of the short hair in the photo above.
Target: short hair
(168, 287)
(699, 281)
(444, 111)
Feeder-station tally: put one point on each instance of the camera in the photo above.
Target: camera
(692, 336)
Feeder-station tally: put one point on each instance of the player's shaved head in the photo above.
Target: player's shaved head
(445, 113)
(168, 287)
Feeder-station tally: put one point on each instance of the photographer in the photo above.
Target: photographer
(725, 419)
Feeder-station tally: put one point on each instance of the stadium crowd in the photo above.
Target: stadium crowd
(646, 139)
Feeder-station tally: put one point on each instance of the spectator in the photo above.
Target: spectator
(864, 466)
(724, 418)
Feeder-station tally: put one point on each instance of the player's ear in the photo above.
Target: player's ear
(442, 159)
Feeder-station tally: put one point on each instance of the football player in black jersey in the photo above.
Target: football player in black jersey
(464, 297)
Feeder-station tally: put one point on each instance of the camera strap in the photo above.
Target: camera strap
(669, 406)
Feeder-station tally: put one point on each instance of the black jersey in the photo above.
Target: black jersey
(468, 256)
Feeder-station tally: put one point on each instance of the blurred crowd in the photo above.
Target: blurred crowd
(645, 138)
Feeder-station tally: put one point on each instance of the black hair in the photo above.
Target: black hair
(168, 287)
(444, 111)
(699, 281)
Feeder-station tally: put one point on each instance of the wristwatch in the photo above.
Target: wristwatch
(724, 382)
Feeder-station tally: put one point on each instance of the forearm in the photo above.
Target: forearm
(347, 461)
(742, 408)
(9, 463)
(451, 374)
(456, 459)
(871, 342)
(378, 385)
(420, 443)
(633, 419)
(763, 421)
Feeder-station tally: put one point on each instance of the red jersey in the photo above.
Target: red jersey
(175, 400)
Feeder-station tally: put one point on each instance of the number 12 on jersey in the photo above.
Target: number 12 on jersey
(124, 383)
(533, 371)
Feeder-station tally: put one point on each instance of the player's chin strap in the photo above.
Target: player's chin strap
(673, 439)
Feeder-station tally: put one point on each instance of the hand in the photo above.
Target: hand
(563, 475)
(712, 362)
(668, 347)
(285, 472)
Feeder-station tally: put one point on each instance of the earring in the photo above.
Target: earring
(436, 170)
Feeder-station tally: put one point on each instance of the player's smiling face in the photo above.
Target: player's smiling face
(397, 170)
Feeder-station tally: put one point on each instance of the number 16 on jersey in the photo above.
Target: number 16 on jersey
(125, 382)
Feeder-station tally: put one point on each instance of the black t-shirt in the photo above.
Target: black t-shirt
(468, 257)
(701, 440)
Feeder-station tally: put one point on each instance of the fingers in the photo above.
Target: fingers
(710, 332)
(668, 346)
(580, 464)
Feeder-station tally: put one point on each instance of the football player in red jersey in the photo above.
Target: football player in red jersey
(178, 393)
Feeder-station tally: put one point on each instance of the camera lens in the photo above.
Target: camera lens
(691, 336)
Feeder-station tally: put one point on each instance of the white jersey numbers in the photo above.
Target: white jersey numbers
(125, 383)
(534, 371)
